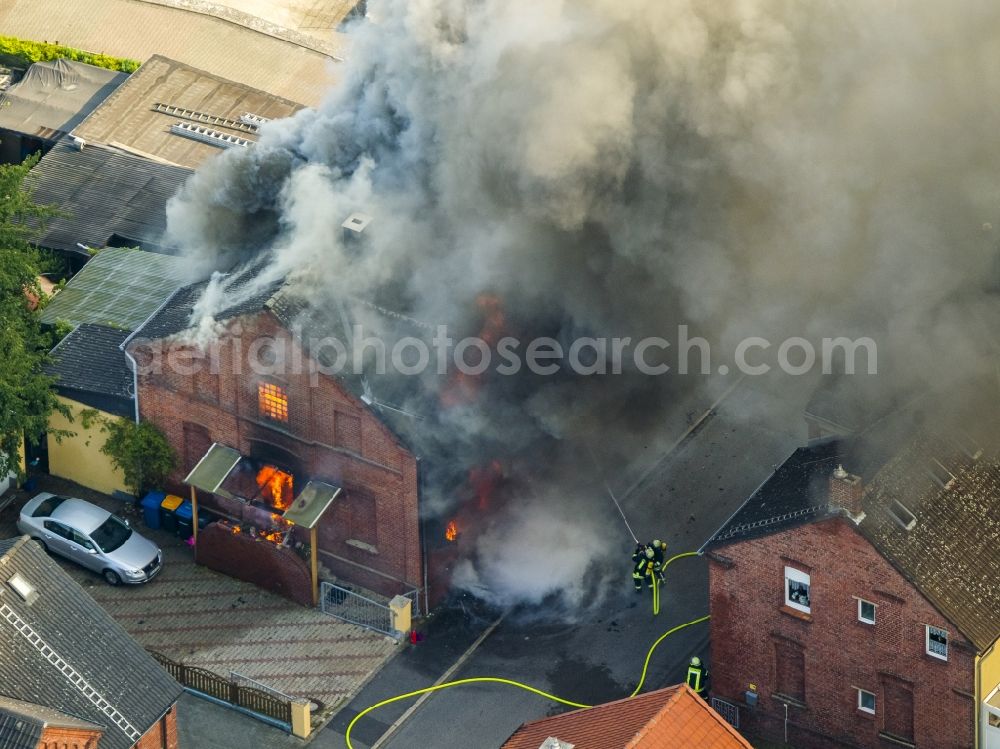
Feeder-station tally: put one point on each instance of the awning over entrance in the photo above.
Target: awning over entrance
(312, 502)
(213, 469)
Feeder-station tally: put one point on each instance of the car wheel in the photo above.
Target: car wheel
(111, 577)
(41, 543)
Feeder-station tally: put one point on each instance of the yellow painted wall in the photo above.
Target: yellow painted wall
(989, 669)
(79, 458)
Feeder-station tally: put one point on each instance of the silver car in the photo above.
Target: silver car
(91, 537)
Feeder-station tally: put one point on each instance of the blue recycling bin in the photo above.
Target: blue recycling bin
(151, 509)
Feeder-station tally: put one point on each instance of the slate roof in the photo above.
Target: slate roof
(54, 96)
(117, 288)
(940, 473)
(83, 637)
(89, 362)
(672, 718)
(22, 723)
(107, 196)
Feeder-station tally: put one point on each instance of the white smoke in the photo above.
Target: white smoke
(760, 167)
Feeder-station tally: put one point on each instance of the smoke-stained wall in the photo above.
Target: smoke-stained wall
(756, 168)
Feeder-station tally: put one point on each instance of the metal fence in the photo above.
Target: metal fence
(254, 696)
(355, 608)
(729, 712)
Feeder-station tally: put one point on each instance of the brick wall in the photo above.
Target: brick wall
(68, 738)
(162, 734)
(756, 639)
(330, 435)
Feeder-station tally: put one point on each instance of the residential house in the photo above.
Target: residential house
(69, 673)
(672, 718)
(855, 596)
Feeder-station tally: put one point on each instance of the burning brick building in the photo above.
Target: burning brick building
(290, 423)
(855, 597)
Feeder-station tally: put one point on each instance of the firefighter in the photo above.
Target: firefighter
(697, 678)
(643, 568)
(659, 550)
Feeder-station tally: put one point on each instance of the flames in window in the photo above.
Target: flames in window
(276, 486)
(451, 532)
(273, 401)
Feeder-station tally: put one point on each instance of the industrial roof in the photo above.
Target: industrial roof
(63, 650)
(672, 718)
(139, 115)
(939, 473)
(235, 46)
(104, 196)
(117, 288)
(89, 361)
(53, 97)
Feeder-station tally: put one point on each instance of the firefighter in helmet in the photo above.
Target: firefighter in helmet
(643, 568)
(697, 678)
(659, 551)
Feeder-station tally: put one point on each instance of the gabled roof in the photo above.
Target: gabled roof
(89, 361)
(672, 718)
(54, 96)
(106, 196)
(117, 288)
(22, 723)
(62, 650)
(939, 473)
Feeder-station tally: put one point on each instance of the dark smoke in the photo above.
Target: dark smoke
(607, 168)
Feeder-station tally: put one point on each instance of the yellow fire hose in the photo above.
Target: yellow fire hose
(526, 687)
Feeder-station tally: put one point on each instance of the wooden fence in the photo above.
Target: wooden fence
(228, 690)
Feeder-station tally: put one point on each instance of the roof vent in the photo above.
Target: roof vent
(902, 515)
(208, 135)
(839, 472)
(354, 225)
(553, 743)
(23, 588)
(249, 118)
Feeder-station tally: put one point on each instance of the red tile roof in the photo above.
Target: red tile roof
(672, 718)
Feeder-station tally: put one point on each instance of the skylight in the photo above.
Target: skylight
(22, 587)
(902, 515)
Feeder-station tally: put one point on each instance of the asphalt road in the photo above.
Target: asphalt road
(597, 658)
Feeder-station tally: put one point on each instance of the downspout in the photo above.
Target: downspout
(978, 714)
(135, 381)
(135, 365)
(423, 531)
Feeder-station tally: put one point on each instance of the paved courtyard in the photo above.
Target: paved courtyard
(202, 618)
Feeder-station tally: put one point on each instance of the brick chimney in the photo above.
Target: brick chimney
(845, 492)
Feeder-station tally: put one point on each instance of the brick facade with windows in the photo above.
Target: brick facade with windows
(306, 423)
(816, 662)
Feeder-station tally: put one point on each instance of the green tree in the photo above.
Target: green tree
(141, 452)
(26, 395)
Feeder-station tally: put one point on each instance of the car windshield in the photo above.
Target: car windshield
(111, 534)
(47, 507)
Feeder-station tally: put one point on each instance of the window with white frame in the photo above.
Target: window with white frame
(797, 589)
(937, 642)
(866, 611)
(866, 701)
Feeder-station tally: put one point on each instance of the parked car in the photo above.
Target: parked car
(90, 536)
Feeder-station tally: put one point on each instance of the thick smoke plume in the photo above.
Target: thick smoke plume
(759, 167)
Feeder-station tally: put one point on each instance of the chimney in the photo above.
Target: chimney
(553, 743)
(354, 227)
(845, 492)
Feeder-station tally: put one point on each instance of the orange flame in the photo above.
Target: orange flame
(451, 532)
(278, 484)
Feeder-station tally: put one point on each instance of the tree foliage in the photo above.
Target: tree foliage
(142, 453)
(21, 51)
(26, 395)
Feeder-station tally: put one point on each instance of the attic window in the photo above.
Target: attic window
(901, 515)
(937, 642)
(22, 587)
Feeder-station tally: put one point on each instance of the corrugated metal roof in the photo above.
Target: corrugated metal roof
(129, 119)
(55, 96)
(103, 194)
(118, 288)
